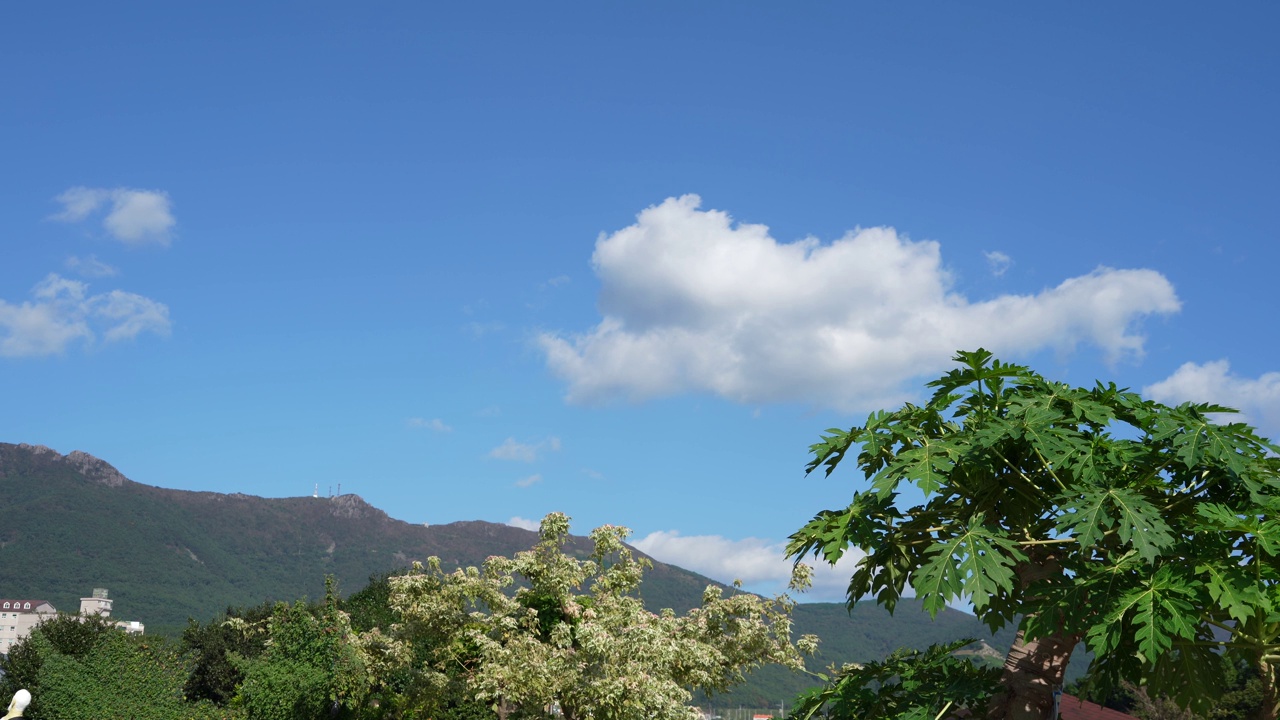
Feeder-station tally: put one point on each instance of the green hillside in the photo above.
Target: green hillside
(72, 523)
(868, 633)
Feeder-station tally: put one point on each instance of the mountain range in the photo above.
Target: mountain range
(72, 523)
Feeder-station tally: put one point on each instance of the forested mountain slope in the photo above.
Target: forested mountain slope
(72, 523)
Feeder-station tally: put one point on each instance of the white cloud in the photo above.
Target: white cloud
(128, 315)
(761, 565)
(512, 450)
(135, 217)
(523, 452)
(79, 202)
(62, 311)
(557, 281)
(1257, 399)
(524, 523)
(593, 474)
(998, 262)
(525, 482)
(90, 267)
(435, 424)
(693, 303)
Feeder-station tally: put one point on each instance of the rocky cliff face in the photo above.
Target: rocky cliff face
(353, 507)
(93, 469)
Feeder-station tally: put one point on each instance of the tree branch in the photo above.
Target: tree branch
(1057, 541)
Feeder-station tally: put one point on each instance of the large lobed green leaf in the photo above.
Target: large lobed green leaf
(976, 563)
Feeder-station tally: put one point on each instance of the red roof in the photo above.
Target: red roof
(1069, 708)
(1072, 708)
(10, 604)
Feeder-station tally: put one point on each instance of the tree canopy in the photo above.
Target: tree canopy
(575, 636)
(84, 668)
(1148, 532)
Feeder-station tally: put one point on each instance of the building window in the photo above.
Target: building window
(6, 606)
(27, 606)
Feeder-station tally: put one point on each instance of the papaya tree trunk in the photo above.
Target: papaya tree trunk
(1033, 669)
(1267, 671)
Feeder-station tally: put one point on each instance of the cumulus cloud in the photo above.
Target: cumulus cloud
(134, 217)
(761, 565)
(1258, 399)
(90, 267)
(510, 449)
(62, 311)
(998, 262)
(434, 424)
(524, 523)
(692, 302)
(525, 482)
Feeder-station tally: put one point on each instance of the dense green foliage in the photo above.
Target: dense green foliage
(1240, 698)
(61, 636)
(310, 668)
(215, 647)
(862, 634)
(296, 676)
(87, 669)
(907, 685)
(1150, 532)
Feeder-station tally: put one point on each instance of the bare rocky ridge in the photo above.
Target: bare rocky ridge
(95, 469)
(354, 507)
(91, 468)
(39, 450)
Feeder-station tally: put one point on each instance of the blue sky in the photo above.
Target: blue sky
(491, 260)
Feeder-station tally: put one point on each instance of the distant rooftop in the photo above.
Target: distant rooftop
(22, 605)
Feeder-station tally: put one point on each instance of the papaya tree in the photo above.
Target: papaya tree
(1149, 533)
(545, 629)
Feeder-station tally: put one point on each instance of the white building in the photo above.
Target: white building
(99, 604)
(18, 617)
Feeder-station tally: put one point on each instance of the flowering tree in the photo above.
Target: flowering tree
(1149, 532)
(594, 655)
